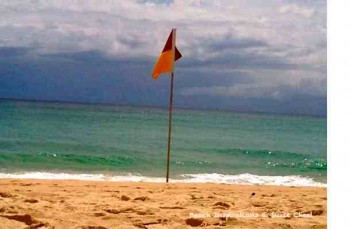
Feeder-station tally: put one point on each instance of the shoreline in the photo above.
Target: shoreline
(103, 204)
(215, 178)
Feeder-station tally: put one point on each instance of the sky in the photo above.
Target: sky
(240, 55)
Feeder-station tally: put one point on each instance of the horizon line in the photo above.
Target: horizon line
(161, 107)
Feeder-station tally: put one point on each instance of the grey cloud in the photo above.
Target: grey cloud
(242, 60)
(229, 42)
(231, 49)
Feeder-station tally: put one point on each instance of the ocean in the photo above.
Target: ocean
(53, 140)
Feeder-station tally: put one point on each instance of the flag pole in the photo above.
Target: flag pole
(169, 124)
(170, 106)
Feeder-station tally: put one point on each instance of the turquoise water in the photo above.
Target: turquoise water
(101, 139)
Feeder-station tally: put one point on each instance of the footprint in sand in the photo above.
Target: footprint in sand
(125, 198)
(27, 219)
(130, 210)
(221, 205)
(93, 227)
(142, 198)
(9, 209)
(259, 203)
(6, 195)
(146, 222)
(193, 222)
(99, 214)
(268, 195)
(32, 201)
(171, 207)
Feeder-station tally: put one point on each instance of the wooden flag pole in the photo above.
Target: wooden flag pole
(169, 124)
(170, 105)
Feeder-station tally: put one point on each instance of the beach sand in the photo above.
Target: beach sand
(98, 205)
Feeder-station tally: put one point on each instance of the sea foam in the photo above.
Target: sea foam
(240, 179)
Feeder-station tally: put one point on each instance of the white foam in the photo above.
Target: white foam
(240, 179)
(250, 179)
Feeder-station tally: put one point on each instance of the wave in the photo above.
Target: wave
(251, 179)
(240, 179)
(259, 158)
(279, 159)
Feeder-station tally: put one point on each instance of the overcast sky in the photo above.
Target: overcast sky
(241, 55)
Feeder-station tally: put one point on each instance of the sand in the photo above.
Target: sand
(98, 205)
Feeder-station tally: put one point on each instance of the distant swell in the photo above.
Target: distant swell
(263, 158)
(272, 158)
(240, 179)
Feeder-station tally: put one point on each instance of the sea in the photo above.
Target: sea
(55, 140)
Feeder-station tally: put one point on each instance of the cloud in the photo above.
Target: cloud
(282, 85)
(275, 48)
(296, 9)
(104, 26)
(255, 90)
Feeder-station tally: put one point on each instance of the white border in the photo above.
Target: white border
(338, 59)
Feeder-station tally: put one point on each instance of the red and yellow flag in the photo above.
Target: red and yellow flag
(169, 55)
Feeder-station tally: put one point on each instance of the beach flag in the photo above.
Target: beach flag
(165, 64)
(169, 55)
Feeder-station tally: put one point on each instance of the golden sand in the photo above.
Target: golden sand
(98, 205)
